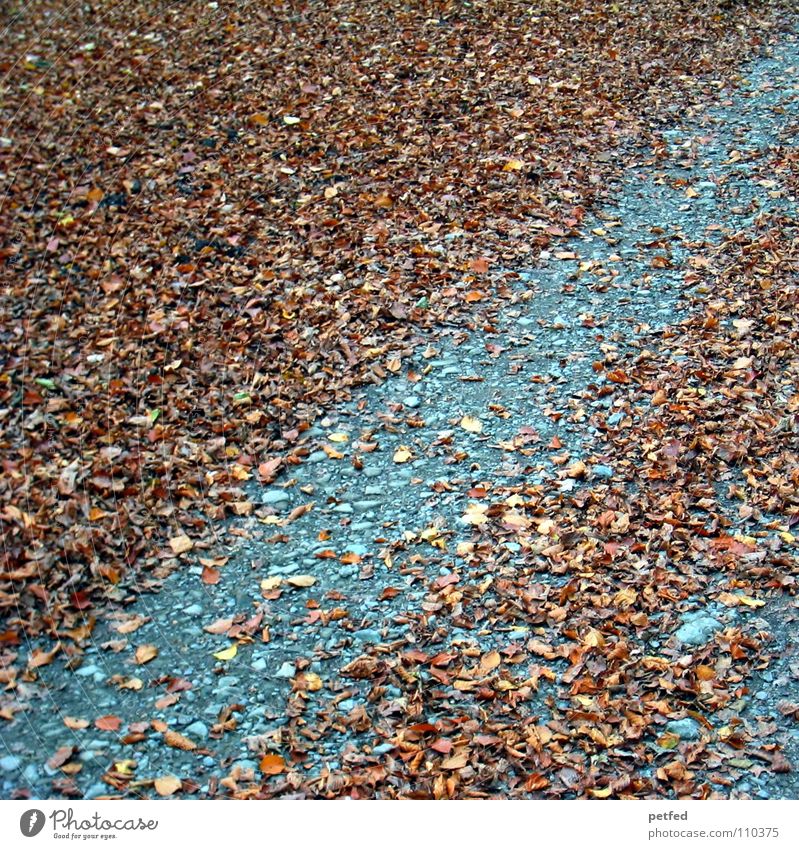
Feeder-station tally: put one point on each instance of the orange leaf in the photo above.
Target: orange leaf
(108, 723)
(272, 765)
(177, 741)
(210, 576)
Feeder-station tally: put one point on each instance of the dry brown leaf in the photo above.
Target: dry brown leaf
(178, 741)
(144, 654)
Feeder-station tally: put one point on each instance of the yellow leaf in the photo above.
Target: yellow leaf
(226, 654)
(125, 767)
(291, 119)
(751, 602)
(312, 681)
(476, 514)
(339, 437)
(669, 740)
(301, 580)
(513, 165)
(594, 638)
(271, 583)
(601, 794)
(402, 454)
(472, 424)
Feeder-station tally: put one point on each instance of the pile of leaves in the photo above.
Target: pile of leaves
(215, 221)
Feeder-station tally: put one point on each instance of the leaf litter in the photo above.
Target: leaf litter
(179, 322)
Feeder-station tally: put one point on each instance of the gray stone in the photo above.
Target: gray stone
(697, 630)
(603, 471)
(275, 496)
(367, 635)
(317, 457)
(198, 730)
(259, 665)
(372, 471)
(98, 789)
(382, 749)
(193, 609)
(31, 773)
(411, 401)
(685, 729)
(365, 505)
(9, 763)
(287, 670)
(86, 671)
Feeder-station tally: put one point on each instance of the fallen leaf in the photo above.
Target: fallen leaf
(402, 454)
(181, 544)
(272, 764)
(227, 654)
(301, 580)
(472, 424)
(166, 785)
(108, 723)
(178, 741)
(144, 654)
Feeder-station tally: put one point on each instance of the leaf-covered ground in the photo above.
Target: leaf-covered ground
(551, 552)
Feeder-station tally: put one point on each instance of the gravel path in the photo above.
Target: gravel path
(337, 553)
